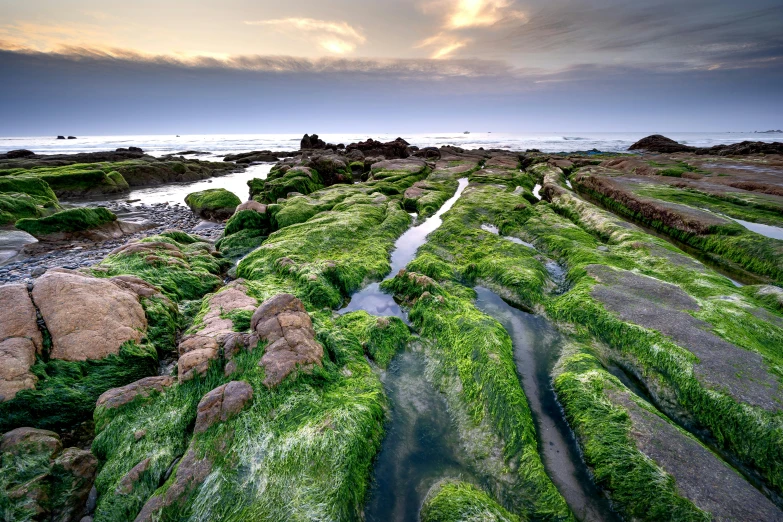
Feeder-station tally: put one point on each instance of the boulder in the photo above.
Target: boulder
(311, 142)
(658, 143)
(116, 397)
(332, 168)
(216, 204)
(87, 317)
(216, 331)
(252, 205)
(19, 153)
(20, 339)
(245, 158)
(283, 322)
(221, 404)
(42, 479)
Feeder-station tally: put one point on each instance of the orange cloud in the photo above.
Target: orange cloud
(335, 37)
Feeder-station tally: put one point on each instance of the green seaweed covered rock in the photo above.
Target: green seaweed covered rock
(181, 265)
(94, 334)
(66, 221)
(462, 502)
(25, 197)
(216, 203)
(41, 481)
(245, 230)
(231, 444)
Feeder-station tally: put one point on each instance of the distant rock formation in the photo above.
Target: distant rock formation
(662, 144)
(397, 149)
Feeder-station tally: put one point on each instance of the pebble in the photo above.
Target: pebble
(85, 254)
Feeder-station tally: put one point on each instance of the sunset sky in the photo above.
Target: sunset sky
(171, 66)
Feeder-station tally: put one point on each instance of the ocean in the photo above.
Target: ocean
(218, 145)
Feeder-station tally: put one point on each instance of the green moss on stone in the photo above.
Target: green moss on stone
(462, 502)
(381, 337)
(70, 220)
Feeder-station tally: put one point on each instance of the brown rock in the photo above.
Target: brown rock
(73, 474)
(88, 318)
(20, 338)
(195, 363)
(118, 396)
(30, 440)
(132, 477)
(190, 473)
(283, 322)
(222, 403)
(658, 143)
(252, 205)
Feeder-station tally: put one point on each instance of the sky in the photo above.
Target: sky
(255, 66)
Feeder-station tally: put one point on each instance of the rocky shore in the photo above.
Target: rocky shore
(217, 373)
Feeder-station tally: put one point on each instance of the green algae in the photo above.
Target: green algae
(279, 183)
(472, 362)
(381, 337)
(334, 253)
(300, 451)
(212, 200)
(189, 271)
(25, 197)
(639, 489)
(66, 391)
(75, 180)
(69, 220)
(463, 502)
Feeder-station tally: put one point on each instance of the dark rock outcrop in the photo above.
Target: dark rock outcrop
(396, 149)
(658, 143)
(312, 141)
(244, 158)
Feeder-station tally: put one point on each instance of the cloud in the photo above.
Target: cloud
(444, 44)
(335, 37)
(460, 16)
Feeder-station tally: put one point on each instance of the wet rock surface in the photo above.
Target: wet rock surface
(117, 397)
(221, 404)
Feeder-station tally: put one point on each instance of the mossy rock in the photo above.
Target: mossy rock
(462, 502)
(25, 197)
(70, 220)
(182, 266)
(75, 180)
(381, 337)
(215, 203)
(321, 431)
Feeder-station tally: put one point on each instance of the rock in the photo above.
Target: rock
(191, 472)
(658, 143)
(20, 339)
(38, 271)
(60, 137)
(42, 479)
(87, 317)
(743, 149)
(30, 440)
(195, 363)
(116, 397)
(74, 472)
(221, 404)
(311, 142)
(332, 168)
(19, 153)
(252, 205)
(127, 482)
(71, 137)
(252, 157)
(216, 204)
(284, 323)
(396, 149)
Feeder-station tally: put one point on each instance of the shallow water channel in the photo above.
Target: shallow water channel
(536, 350)
(421, 446)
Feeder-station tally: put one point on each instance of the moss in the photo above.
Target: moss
(189, 271)
(280, 183)
(240, 319)
(212, 200)
(163, 322)
(381, 337)
(66, 391)
(239, 244)
(462, 502)
(15, 206)
(332, 254)
(300, 451)
(70, 220)
(30, 185)
(639, 489)
(78, 179)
